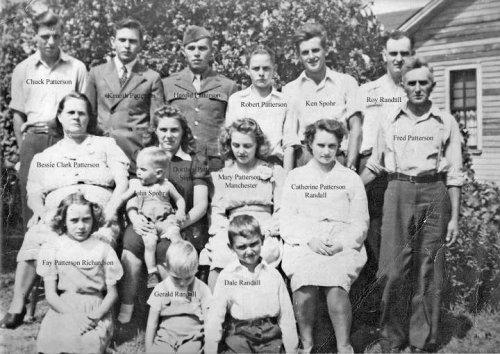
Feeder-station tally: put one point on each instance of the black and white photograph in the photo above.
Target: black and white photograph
(236, 176)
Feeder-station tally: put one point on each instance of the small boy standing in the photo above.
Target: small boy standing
(179, 305)
(150, 207)
(250, 299)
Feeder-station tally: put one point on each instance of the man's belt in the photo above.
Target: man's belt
(417, 179)
(254, 322)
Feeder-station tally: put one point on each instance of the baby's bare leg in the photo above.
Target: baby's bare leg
(150, 241)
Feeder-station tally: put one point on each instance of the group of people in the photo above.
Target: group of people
(241, 205)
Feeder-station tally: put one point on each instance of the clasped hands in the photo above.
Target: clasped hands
(324, 246)
(85, 322)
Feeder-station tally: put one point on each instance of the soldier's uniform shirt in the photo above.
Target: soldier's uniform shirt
(205, 110)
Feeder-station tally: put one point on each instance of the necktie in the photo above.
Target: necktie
(123, 78)
(197, 83)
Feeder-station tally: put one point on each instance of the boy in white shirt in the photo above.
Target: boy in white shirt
(250, 299)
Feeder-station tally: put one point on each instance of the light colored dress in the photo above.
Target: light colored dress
(83, 271)
(90, 168)
(182, 316)
(331, 206)
(256, 193)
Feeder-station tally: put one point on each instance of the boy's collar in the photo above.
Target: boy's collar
(237, 265)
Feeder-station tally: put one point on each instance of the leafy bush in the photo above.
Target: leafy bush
(473, 266)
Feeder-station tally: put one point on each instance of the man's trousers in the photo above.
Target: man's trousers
(411, 266)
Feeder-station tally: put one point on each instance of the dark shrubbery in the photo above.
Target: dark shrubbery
(473, 261)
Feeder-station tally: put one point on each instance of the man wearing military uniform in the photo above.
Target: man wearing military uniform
(201, 93)
(378, 98)
(419, 146)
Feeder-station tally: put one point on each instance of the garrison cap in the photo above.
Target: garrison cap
(195, 33)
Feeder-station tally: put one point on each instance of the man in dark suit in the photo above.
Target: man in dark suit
(124, 93)
(201, 93)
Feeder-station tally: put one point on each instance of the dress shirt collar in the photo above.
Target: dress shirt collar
(62, 57)
(237, 267)
(249, 92)
(183, 155)
(119, 65)
(329, 75)
(433, 112)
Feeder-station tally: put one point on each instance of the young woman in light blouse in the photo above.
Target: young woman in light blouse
(324, 219)
(247, 185)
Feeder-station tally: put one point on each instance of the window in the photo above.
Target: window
(463, 101)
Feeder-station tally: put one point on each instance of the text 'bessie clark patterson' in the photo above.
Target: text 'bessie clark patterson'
(68, 164)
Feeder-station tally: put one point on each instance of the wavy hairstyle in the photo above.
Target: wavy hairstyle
(329, 125)
(309, 31)
(188, 142)
(92, 125)
(58, 223)
(246, 126)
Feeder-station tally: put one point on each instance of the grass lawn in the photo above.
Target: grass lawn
(462, 332)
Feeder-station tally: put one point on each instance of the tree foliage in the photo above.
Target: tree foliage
(236, 25)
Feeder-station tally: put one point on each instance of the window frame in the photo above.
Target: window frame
(479, 98)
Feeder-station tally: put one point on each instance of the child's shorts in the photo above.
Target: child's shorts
(253, 336)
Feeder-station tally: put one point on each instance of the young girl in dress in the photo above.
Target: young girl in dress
(179, 305)
(80, 274)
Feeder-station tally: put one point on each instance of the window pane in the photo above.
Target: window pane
(458, 103)
(470, 84)
(463, 101)
(470, 102)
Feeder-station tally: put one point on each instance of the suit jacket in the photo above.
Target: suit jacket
(205, 110)
(124, 113)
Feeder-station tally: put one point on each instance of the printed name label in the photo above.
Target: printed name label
(320, 190)
(242, 282)
(263, 104)
(412, 138)
(384, 100)
(66, 164)
(319, 103)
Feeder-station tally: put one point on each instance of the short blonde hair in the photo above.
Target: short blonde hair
(182, 258)
(156, 156)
